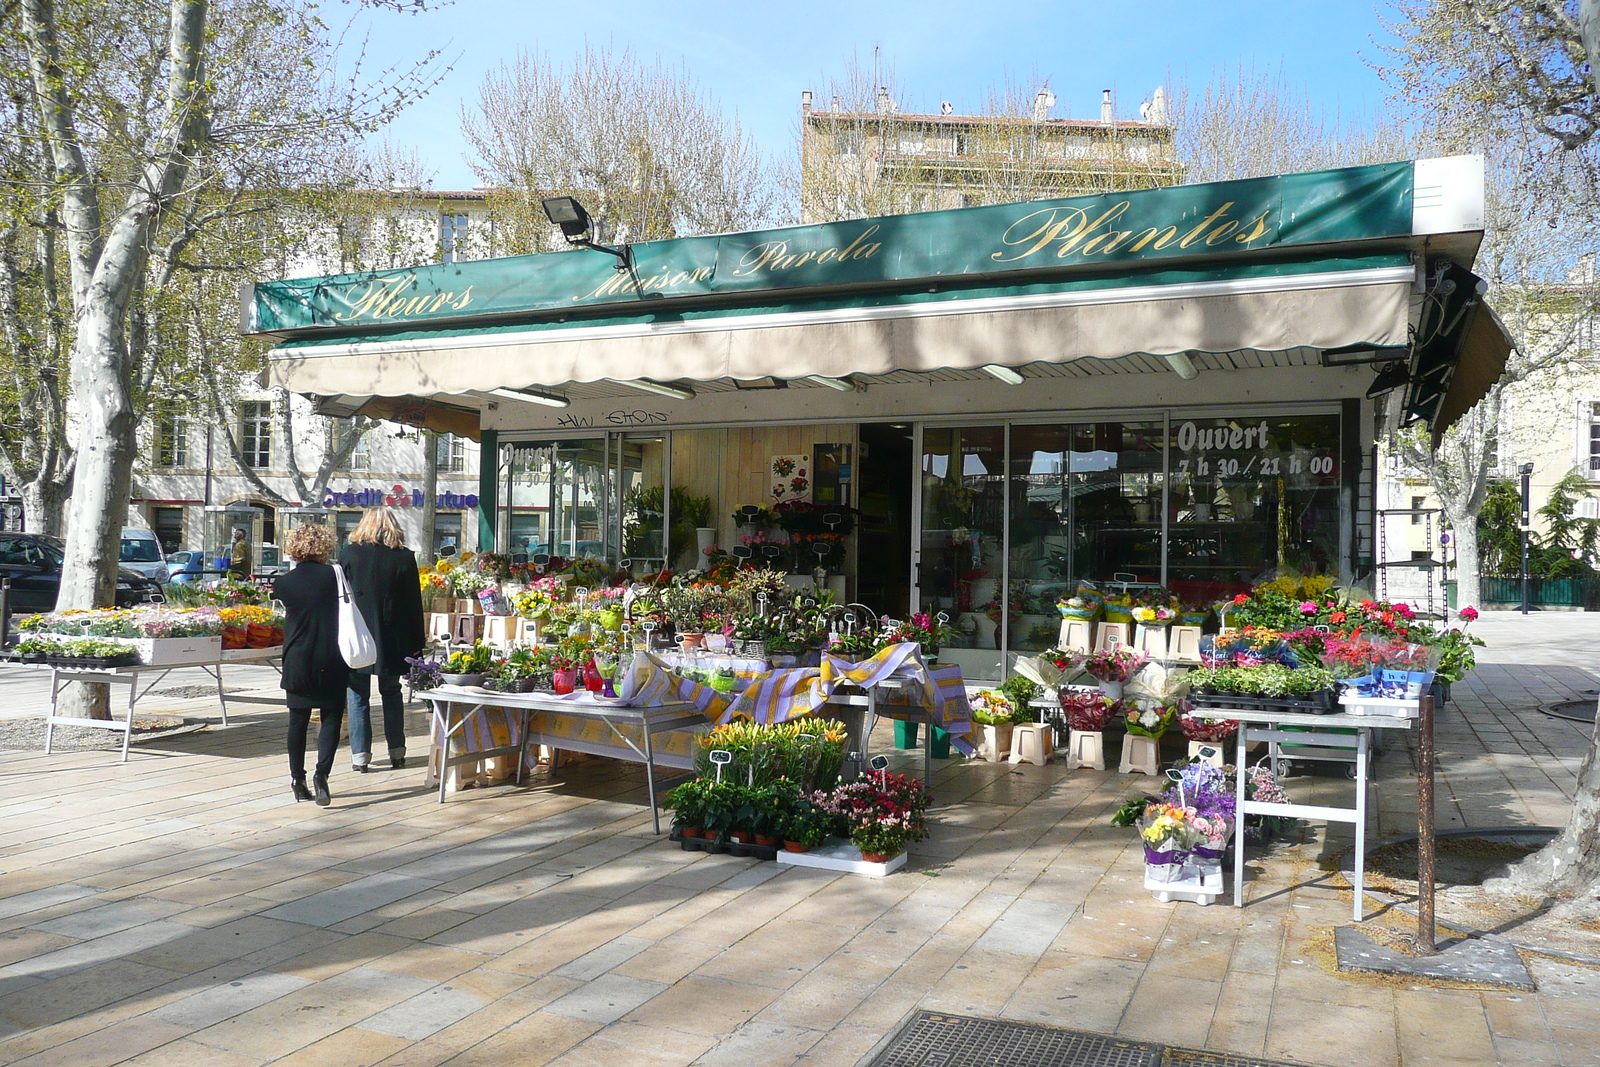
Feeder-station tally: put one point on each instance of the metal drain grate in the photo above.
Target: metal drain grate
(933, 1039)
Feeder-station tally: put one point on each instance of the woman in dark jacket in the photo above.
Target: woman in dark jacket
(383, 576)
(314, 671)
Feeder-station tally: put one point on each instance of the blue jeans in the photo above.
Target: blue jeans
(360, 705)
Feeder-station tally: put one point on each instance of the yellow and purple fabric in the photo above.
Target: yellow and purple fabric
(786, 694)
(651, 683)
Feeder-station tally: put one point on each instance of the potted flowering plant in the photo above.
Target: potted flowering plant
(882, 813)
(1113, 667)
(688, 803)
(468, 666)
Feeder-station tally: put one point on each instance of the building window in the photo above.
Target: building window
(1594, 439)
(361, 455)
(452, 236)
(172, 441)
(255, 433)
(1417, 504)
(450, 452)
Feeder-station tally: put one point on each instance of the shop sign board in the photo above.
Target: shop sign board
(1003, 242)
(397, 496)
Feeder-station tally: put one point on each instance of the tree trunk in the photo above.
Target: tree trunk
(1568, 868)
(44, 506)
(1469, 590)
(430, 494)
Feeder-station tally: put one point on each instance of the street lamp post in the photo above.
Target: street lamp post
(1527, 474)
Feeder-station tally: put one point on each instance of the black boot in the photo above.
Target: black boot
(297, 786)
(319, 782)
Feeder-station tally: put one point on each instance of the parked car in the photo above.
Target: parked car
(141, 552)
(185, 566)
(33, 563)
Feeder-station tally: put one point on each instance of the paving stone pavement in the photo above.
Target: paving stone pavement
(182, 909)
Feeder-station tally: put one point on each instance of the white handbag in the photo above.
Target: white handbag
(355, 640)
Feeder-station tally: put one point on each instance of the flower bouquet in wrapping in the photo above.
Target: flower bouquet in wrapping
(990, 707)
(1085, 603)
(1051, 669)
(1159, 685)
(1151, 722)
(1170, 832)
(1203, 728)
(1088, 711)
(1115, 664)
(1160, 615)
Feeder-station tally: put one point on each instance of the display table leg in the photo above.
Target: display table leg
(650, 776)
(1363, 739)
(1239, 816)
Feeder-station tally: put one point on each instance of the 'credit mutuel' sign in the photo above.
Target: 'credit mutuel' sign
(395, 497)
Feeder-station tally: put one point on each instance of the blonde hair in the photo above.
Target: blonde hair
(309, 541)
(378, 526)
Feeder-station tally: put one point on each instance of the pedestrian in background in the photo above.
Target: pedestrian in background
(383, 576)
(314, 671)
(239, 555)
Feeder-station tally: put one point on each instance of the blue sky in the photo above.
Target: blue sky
(757, 57)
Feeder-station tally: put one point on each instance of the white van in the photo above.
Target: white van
(141, 552)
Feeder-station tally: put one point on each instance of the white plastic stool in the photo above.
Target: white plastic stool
(1109, 635)
(1183, 644)
(1141, 755)
(1032, 742)
(1152, 641)
(464, 628)
(1214, 746)
(1077, 635)
(438, 626)
(497, 630)
(1085, 749)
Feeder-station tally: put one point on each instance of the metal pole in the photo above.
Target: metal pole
(5, 612)
(1425, 840)
(1527, 473)
(208, 468)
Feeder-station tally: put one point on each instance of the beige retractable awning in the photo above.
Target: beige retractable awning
(1484, 350)
(1314, 310)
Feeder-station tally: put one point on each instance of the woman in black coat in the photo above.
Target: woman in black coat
(314, 671)
(383, 577)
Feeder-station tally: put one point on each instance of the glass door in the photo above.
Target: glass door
(644, 508)
(958, 566)
(557, 499)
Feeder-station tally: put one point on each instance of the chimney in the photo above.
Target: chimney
(805, 101)
(886, 104)
(1042, 103)
(1107, 116)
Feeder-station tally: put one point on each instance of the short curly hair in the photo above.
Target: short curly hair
(309, 541)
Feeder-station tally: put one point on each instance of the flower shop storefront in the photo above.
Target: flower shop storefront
(966, 412)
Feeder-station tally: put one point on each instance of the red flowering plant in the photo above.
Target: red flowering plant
(1115, 664)
(1349, 658)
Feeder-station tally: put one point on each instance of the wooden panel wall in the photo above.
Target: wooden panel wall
(730, 465)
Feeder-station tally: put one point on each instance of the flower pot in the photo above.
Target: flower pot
(691, 831)
(768, 840)
(462, 679)
(564, 682)
(876, 857)
(905, 734)
(743, 837)
(795, 846)
(692, 641)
